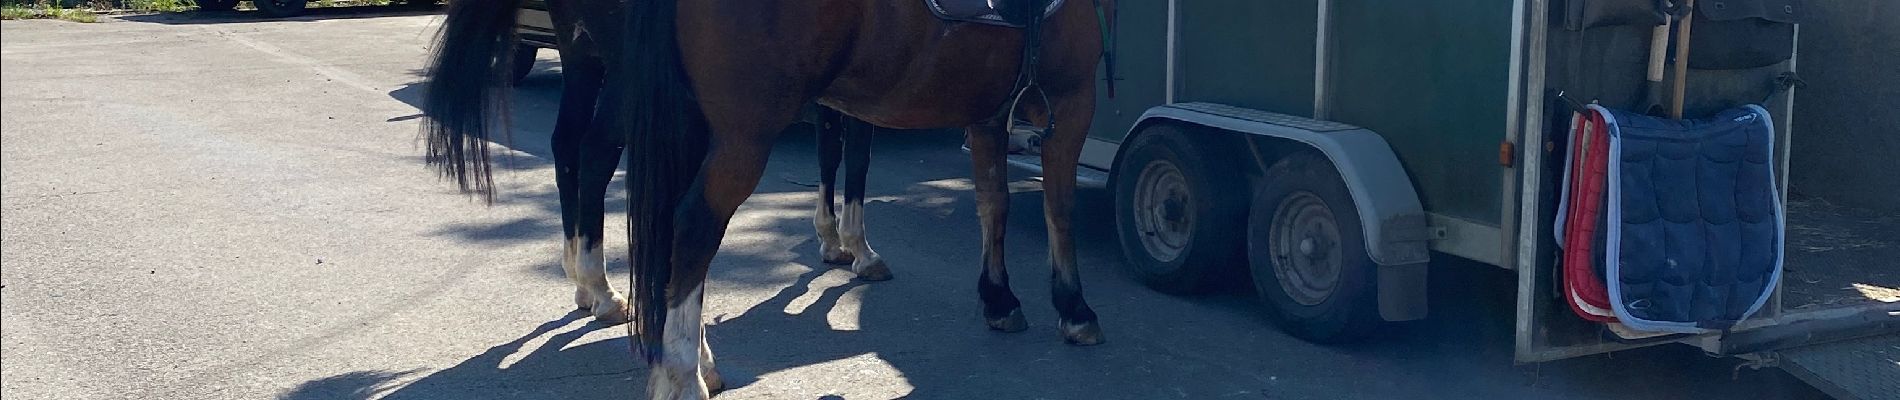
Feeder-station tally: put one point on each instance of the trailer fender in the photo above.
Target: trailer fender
(1394, 221)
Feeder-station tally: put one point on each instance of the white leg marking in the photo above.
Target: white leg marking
(678, 376)
(707, 372)
(827, 226)
(570, 263)
(590, 273)
(852, 231)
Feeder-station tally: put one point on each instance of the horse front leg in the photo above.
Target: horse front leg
(825, 213)
(1060, 153)
(857, 148)
(988, 143)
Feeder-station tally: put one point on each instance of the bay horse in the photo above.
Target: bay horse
(587, 149)
(711, 83)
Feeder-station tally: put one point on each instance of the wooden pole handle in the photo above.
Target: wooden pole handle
(1682, 59)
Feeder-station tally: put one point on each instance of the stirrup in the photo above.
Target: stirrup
(1026, 138)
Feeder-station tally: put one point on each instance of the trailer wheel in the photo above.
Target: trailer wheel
(217, 5)
(1305, 249)
(1179, 232)
(280, 8)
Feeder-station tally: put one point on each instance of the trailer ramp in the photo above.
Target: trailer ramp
(1865, 369)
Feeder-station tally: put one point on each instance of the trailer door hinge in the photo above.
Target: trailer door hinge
(1507, 153)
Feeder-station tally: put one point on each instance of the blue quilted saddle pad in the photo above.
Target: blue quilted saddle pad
(1698, 242)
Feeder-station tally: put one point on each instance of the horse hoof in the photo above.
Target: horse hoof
(876, 272)
(838, 257)
(582, 301)
(714, 383)
(614, 312)
(1014, 322)
(668, 385)
(1082, 333)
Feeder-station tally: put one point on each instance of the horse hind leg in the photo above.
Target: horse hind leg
(585, 158)
(680, 371)
(857, 147)
(600, 156)
(684, 367)
(825, 213)
(988, 146)
(708, 374)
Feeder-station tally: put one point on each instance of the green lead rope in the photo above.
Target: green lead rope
(1108, 46)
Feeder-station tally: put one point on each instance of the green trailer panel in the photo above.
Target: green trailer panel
(1432, 77)
(1247, 53)
(1140, 47)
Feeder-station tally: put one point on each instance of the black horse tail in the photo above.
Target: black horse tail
(466, 96)
(666, 145)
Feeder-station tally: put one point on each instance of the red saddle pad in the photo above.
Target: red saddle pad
(1582, 218)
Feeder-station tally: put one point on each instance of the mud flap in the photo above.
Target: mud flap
(1402, 292)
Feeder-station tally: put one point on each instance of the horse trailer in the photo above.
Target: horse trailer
(1378, 137)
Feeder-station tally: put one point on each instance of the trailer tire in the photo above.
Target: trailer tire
(1177, 234)
(280, 8)
(1309, 261)
(217, 5)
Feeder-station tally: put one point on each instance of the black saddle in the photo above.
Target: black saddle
(992, 12)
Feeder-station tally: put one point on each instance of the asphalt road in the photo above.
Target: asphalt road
(228, 208)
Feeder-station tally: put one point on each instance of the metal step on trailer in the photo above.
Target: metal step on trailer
(1866, 368)
(1085, 176)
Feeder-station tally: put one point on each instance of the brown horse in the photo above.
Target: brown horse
(587, 147)
(715, 81)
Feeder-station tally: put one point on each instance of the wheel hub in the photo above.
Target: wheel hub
(1163, 213)
(1303, 243)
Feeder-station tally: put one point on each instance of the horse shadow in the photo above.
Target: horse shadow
(789, 331)
(906, 338)
(537, 374)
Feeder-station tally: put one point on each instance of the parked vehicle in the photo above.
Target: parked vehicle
(536, 31)
(276, 8)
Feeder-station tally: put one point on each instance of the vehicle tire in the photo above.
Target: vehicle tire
(217, 5)
(1179, 231)
(280, 8)
(523, 61)
(1308, 252)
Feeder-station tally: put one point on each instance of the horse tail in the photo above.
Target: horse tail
(466, 96)
(666, 145)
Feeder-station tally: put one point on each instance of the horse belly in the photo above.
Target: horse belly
(957, 77)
